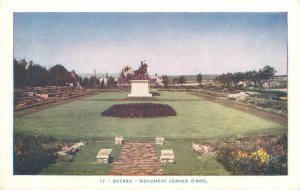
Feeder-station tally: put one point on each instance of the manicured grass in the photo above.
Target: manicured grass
(85, 162)
(109, 95)
(195, 120)
(188, 162)
(176, 96)
(164, 95)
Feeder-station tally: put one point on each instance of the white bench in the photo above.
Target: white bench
(159, 140)
(104, 156)
(167, 156)
(119, 140)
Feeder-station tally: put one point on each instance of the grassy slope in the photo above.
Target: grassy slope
(194, 120)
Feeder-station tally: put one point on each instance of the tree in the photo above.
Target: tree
(92, 81)
(59, 75)
(268, 73)
(252, 76)
(29, 74)
(199, 79)
(80, 80)
(165, 80)
(181, 80)
(36, 75)
(102, 83)
(225, 79)
(248, 75)
(229, 78)
(19, 73)
(174, 80)
(238, 77)
(260, 77)
(111, 81)
(85, 82)
(221, 79)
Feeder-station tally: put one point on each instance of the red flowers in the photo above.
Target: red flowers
(142, 110)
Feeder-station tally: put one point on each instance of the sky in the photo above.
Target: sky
(170, 43)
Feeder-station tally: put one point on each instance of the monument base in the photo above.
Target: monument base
(139, 88)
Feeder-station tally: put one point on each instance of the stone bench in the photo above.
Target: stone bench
(119, 140)
(159, 140)
(104, 156)
(167, 156)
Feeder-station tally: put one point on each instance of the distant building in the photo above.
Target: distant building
(126, 75)
(103, 80)
(76, 83)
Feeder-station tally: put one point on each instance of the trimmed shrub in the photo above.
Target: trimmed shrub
(155, 94)
(139, 110)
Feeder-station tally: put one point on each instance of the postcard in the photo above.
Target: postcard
(155, 96)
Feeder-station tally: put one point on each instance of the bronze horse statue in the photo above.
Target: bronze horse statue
(141, 73)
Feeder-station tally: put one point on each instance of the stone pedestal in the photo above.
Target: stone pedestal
(167, 156)
(119, 140)
(159, 140)
(104, 156)
(139, 88)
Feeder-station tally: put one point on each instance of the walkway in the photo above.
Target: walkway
(137, 159)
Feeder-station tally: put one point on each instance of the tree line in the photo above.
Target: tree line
(29, 74)
(251, 78)
(181, 80)
(256, 77)
(95, 82)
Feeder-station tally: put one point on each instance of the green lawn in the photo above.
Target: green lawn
(188, 162)
(201, 119)
(85, 162)
(197, 120)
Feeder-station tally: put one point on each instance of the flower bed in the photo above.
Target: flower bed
(206, 150)
(261, 156)
(142, 110)
(67, 153)
(33, 153)
(258, 156)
